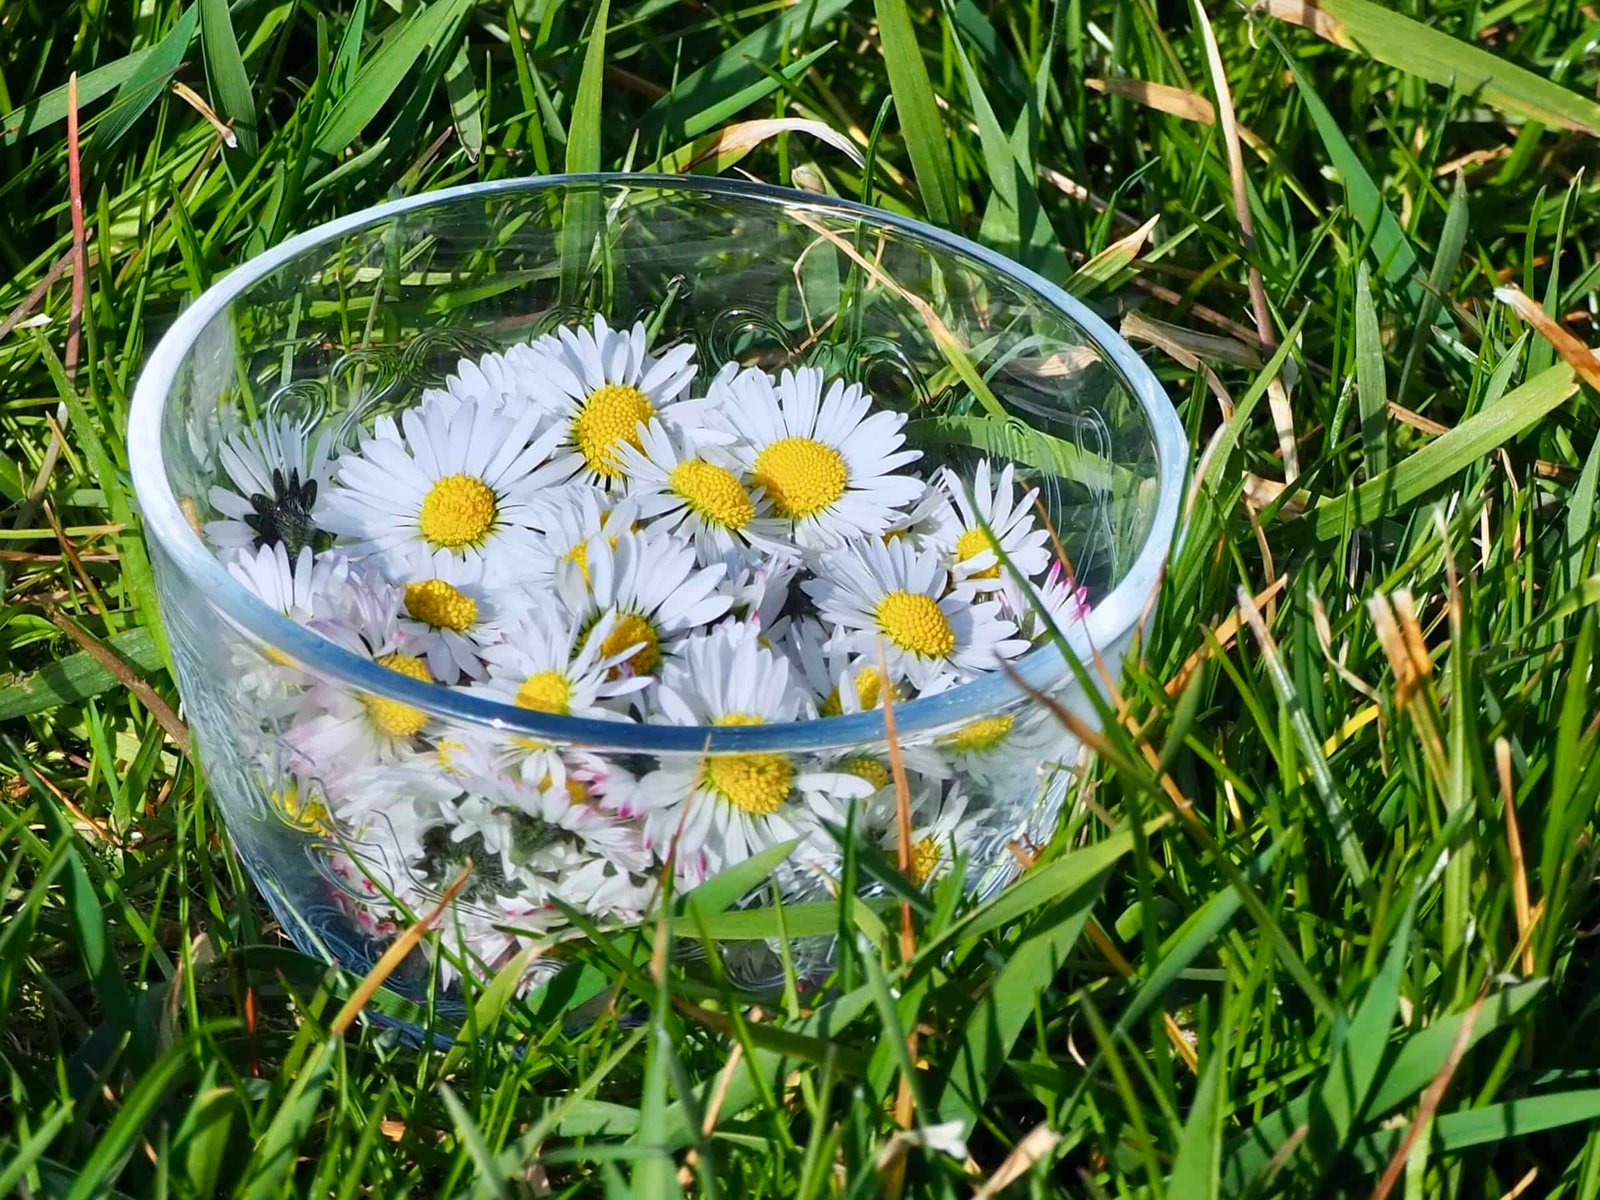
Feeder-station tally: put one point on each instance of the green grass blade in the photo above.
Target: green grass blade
(1372, 389)
(920, 124)
(1447, 454)
(230, 83)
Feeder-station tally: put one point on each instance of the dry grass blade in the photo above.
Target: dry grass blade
(1519, 868)
(123, 674)
(197, 102)
(1431, 1100)
(395, 955)
(1577, 355)
(905, 1099)
(1035, 1144)
(736, 140)
(1174, 101)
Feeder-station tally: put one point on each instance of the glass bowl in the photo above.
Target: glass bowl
(342, 326)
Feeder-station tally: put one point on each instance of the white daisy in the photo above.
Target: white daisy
(692, 489)
(1010, 526)
(722, 808)
(761, 594)
(649, 581)
(841, 680)
(459, 479)
(568, 520)
(546, 665)
(303, 588)
(340, 729)
(1020, 743)
(602, 385)
(889, 594)
(1059, 601)
(450, 617)
(825, 466)
(279, 474)
(929, 524)
(944, 826)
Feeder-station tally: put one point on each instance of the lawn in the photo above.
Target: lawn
(1320, 917)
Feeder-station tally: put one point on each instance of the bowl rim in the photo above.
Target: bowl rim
(1109, 620)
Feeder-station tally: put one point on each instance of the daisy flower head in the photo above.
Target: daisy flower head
(1017, 744)
(888, 594)
(695, 491)
(650, 586)
(992, 516)
(278, 474)
(449, 617)
(302, 587)
(1059, 602)
(929, 524)
(841, 680)
(721, 808)
(459, 479)
(548, 665)
(823, 460)
(601, 385)
(568, 520)
(944, 827)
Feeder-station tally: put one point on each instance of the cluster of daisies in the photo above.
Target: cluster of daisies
(583, 528)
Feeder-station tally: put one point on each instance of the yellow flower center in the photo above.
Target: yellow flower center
(916, 624)
(754, 783)
(870, 769)
(580, 554)
(869, 693)
(981, 736)
(972, 543)
(631, 629)
(308, 815)
(546, 692)
(609, 417)
(459, 510)
(801, 475)
(435, 602)
(713, 493)
(925, 856)
(390, 717)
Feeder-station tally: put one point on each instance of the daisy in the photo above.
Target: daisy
(929, 524)
(824, 462)
(889, 595)
(568, 520)
(691, 490)
(602, 385)
(303, 588)
(277, 471)
(545, 665)
(761, 594)
(992, 516)
(944, 828)
(340, 729)
(649, 585)
(449, 617)
(1019, 744)
(454, 479)
(722, 808)
(1059, 602)
(840, 680)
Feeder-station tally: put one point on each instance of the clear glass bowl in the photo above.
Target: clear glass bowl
(354, 319)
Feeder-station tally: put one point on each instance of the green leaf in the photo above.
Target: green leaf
(920, 123)
(77, 676)
(488, 1179)
(145, 84)
(1366, 204)
(1452, 241)
(733, 80)
(1007, 1005)
(1391, 37)
(230, 83)
(1196, 1167)
(1372, 389)
(466, 103)
(1505, 1122)
(51, 108)
(583, 128)
(383, 75)
(1450, 452)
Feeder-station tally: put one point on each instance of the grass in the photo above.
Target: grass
(1320, 919)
